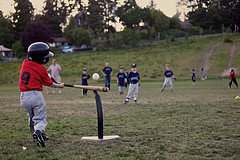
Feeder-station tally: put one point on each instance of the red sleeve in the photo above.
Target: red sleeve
(46, 80)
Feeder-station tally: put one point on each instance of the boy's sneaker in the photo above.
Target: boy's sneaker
(59, 92)
(37, 136)
(162, 90)
(53, 92)
(171, 90)
(45, 138)
(125, 102)
(135, 101)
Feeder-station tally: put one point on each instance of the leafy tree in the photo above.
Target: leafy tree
(146, 16)
(175, 22)
(68, 30)
(55, 13)
(152, 5)
(35, 32)
(213, 14)
(76, 35)
(6, 31)
(80, 36)
(53, 17)
(18, 50)
(132, 18)
(128, 4)
(160, 21)
(109, 15)
(95, 15)
(23, 14)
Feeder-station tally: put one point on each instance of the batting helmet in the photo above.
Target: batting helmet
(39, 52)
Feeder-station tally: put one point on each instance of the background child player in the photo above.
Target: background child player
(134, 80)
(232, 78)
(168, 78)
(121, 79)
(107, 72)
(193, 78)
(85, 77)
(32, 76)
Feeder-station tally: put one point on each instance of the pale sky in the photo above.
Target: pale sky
(169, 7)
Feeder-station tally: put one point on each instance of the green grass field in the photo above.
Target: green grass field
(199, 122)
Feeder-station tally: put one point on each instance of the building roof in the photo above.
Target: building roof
(4, 49)
(59, 39)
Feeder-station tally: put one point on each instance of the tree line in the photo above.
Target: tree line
(95, 23)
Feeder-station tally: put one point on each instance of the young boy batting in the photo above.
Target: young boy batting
(168, 78)
(134, 80)
(85, 77)
(232, 78)
(121, 79)
(33, 76)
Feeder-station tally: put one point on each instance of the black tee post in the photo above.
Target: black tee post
(99, 114)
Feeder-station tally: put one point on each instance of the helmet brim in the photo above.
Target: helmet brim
(50, 54)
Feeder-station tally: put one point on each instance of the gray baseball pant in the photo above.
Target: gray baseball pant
(133, 89)
(35, 106)
(120, 88)
(168, 80)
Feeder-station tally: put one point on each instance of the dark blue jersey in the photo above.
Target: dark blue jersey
(84, 81)
(107, 71)
(121, 77)
(193, 76)
(133, 77)
(168, 73)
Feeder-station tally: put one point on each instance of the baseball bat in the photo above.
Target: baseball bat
(94, 88)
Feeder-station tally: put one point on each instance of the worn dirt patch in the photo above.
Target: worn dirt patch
(231, 53)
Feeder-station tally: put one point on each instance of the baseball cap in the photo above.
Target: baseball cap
(192, 69)
(54, 60)
(133, 65)
(84, 69)
(121, 67)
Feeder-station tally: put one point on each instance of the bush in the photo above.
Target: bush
(80, 36)
(192, 31)
(99, 43)
(172, 33)
(227, 36)
(18, 50)
(116, 41)
(143, 34)
(130, 37)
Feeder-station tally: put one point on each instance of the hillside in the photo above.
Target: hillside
(151, 59)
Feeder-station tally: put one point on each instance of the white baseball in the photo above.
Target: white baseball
(95, 76)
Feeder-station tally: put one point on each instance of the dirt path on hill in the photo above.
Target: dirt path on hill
(231, 53)
(206, 56)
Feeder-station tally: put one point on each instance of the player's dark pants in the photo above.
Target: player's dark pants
(107, 82)
(84, 91)
(233, 80)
